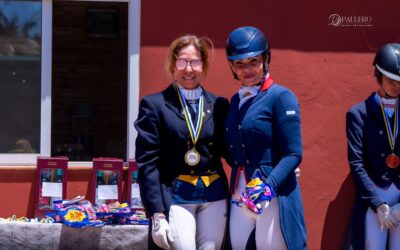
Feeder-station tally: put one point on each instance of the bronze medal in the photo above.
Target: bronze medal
(192, 157)
(392, 161)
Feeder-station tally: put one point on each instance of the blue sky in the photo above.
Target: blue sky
(25, 10)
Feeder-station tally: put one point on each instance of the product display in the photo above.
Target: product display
(133, 186)
(51, 176)
(106, 180)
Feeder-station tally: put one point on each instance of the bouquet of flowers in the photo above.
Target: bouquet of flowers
(255, 194)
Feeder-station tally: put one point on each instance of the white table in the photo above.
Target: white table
(22, 235)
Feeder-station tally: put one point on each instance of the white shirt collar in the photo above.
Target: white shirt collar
(191, 94)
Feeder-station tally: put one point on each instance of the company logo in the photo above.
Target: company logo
(337, 20)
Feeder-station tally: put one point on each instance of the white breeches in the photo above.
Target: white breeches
(198, 226)
(375, 237)
(268, 230)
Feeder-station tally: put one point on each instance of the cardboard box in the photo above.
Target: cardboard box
(106, 185)
(51, 182)
(133, 191)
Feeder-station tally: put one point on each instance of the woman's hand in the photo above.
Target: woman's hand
(161, 232)
(396, 211)
(252, 214)
(386, 217)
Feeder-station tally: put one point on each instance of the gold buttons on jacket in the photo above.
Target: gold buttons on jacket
(381, 132)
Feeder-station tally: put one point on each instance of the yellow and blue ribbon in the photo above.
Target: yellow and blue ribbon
(392, 135)
(194, 131)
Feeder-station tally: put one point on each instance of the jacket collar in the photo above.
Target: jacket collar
(373, 108)
(172, 102)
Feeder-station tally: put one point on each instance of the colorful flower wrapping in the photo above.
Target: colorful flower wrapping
(77, 213)
(118, 213)
(256, 192)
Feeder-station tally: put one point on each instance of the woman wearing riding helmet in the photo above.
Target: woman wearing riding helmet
(263, 135)
(373, 155)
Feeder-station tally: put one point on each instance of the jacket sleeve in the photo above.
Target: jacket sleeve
(147, 156)
(220, 112)
(355, 153)
(288, 132)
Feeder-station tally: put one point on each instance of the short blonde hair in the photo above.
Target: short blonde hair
(182, 42)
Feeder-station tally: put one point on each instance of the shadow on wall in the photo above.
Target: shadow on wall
(341, 207)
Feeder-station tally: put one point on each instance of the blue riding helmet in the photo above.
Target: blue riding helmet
(387, 61)
(245, 42)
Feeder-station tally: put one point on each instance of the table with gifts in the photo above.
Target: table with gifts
(23, 235)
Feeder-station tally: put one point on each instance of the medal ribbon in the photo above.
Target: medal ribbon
(391, 135)
(194, 131)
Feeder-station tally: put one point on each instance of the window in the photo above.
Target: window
(89, 80)
(20, 76)
(29, 99)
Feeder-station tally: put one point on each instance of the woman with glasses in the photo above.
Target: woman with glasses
(263, 135)
(178, 149)
(374, 157)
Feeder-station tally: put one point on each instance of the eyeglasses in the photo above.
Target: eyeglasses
(182, 63)
(252, 63)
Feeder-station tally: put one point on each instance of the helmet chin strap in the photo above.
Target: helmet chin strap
(233, 72)
(266, 70)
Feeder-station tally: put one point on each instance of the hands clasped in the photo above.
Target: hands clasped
(161, 231)
(256, 196)
(386, 216)
(246, 210)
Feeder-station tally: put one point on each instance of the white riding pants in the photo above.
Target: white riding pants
(198, 226)
(268, 230)
(375, 237)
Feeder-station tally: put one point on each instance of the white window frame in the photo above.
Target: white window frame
(133, 58)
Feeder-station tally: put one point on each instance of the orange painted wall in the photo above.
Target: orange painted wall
(329, 69)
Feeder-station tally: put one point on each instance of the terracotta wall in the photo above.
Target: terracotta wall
(329, 68)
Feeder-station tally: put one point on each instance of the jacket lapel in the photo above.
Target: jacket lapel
(374, 108)
(261, 94)
(208, 107)
(172, 101)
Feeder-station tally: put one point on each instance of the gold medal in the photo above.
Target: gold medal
(392, 161)
(192, 157)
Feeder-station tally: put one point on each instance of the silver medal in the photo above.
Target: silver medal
(192, 157)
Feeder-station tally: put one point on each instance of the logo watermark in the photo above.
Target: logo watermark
(337, 20)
